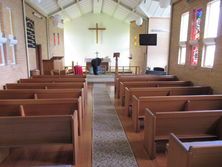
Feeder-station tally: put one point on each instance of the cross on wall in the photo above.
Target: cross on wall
(97, 29)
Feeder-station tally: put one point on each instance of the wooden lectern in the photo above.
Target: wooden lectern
(116, 55)
(55, 63)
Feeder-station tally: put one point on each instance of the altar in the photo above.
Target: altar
(105, 63)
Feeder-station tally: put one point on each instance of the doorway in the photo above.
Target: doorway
(39, 64)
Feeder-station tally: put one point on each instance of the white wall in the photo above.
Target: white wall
(80, 43)
(157, 56)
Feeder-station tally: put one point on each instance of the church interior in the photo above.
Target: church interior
(115, 83)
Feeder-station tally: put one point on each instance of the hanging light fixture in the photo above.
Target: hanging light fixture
(139, 21)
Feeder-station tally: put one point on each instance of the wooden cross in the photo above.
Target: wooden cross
(97, 31)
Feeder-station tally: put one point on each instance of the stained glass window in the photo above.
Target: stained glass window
(194, 57)
(195, 34)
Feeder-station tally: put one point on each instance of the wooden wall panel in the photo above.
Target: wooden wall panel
(198, 75)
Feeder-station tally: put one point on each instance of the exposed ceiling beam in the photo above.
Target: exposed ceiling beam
(97, 6)
(134, 10)
(79, 7)
(64, 8)
(117, 5)
(36, 8)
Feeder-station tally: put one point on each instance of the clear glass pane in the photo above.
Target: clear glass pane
(212, 19)
(1, 55)
(182, 55)
(11, 54)
(184, 26)
(209, 56)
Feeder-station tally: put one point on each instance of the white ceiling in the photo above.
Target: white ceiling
(125, 10)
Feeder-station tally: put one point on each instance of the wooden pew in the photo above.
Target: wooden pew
(124, 85)
(78, 85)
(59, 76)
(189, 125)
(141, 78)
(51, 80)
(198, 154)
(163, 91)
(172, 103)
(44, 94)
(68, 85)
(16, 131)
(34, 107)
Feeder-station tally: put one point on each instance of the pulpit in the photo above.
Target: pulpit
(105, 63)
(55, 63)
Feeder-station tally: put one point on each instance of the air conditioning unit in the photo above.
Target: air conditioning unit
(58, 21)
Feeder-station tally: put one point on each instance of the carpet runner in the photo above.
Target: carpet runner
(110, 144)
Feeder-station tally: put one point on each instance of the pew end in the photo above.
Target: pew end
(198, 154)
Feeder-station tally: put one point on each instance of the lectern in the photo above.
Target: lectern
(116, 55)
(55, 63)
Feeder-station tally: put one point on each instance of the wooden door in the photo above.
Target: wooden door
(39, 64)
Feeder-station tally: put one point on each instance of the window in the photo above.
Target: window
(2, 58)
(9, 32)
(210, 33)
(183, 38)
(195, 35)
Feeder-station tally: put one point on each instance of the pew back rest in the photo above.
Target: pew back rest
(169, 91)
(179, 103)
(188, 123)
(49, 80)
(16, 131)
(58, 95)
(10, 110)
(59, 76)
(163, 106)
(32, 107)
(209, 104)
(149, 83)
(205, 156)
(44, 85)
(15, 95)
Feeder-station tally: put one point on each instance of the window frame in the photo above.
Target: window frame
(209, 41)
(183, 43)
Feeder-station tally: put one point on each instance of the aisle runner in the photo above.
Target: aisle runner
(110, 145)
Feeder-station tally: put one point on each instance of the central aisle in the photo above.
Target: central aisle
(110, 144)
